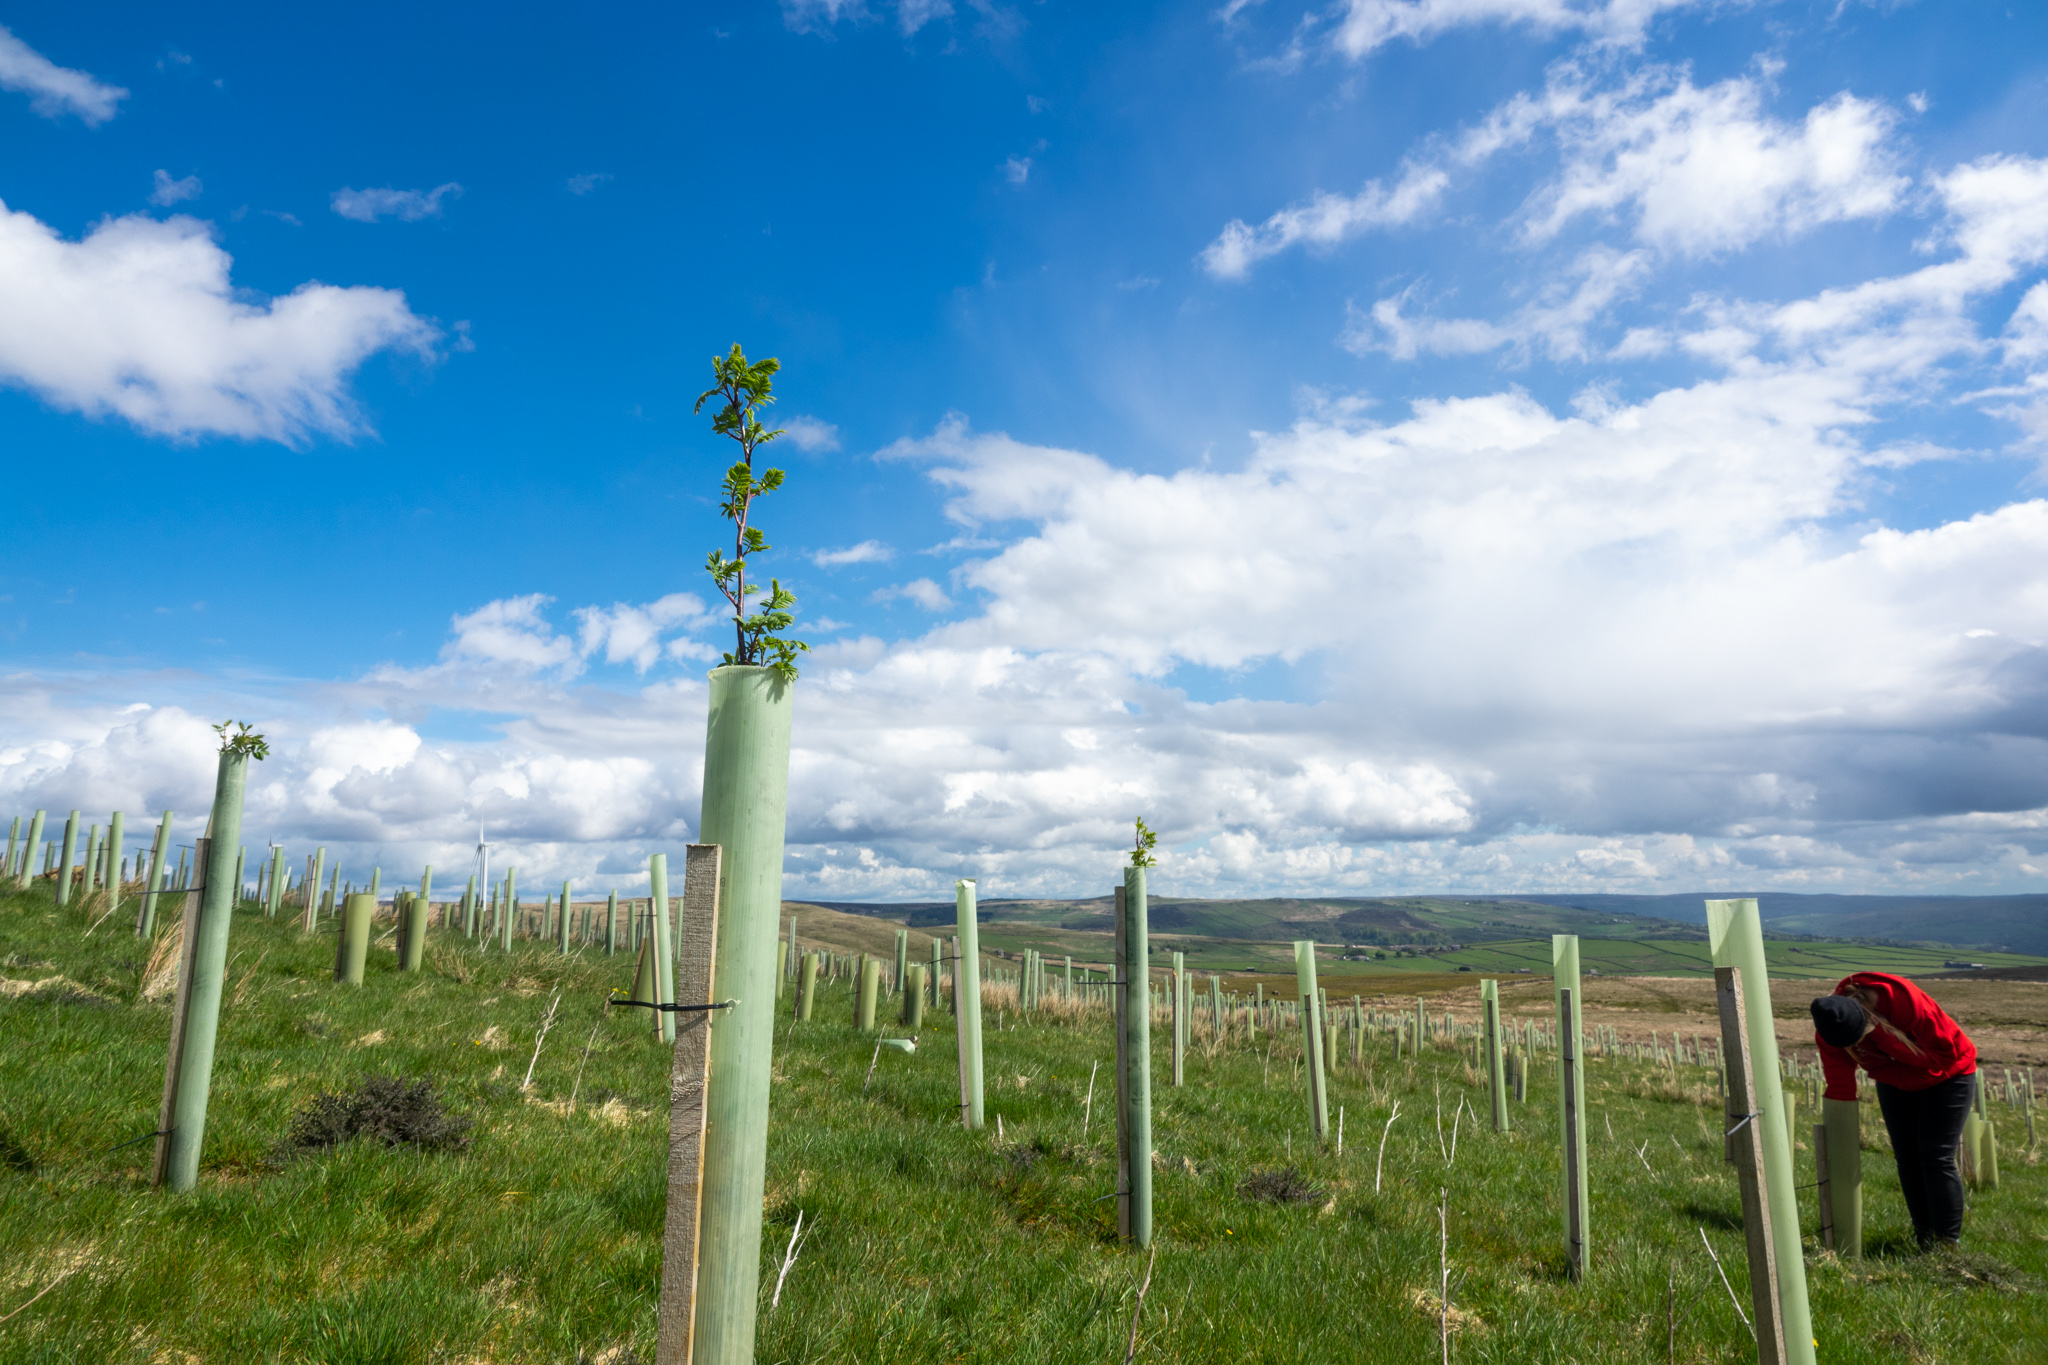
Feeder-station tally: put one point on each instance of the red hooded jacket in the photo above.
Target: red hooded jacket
(1939, 1050)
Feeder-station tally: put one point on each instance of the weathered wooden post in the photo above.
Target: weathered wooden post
(195, 1017)
(1571, 1099)
(688, 1102)
(1747, 1138)
(746, 798)
(967, 1002)
(1137, 1049)
(1312, 1039)
(1736, 939)
(1496, 1070)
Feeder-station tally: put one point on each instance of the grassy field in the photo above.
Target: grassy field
(540, 1240)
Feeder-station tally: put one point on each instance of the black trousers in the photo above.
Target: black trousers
(1926, 1127)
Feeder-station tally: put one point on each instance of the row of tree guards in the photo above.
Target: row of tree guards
(720, 938)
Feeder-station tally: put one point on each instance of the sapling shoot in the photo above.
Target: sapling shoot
(747, 386)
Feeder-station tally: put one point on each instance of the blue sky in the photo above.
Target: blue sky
(1398, 444)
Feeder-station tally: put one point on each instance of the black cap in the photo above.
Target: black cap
(1839, 1019)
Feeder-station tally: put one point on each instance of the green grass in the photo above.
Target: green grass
(540, 1242)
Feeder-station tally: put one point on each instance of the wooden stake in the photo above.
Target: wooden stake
(689, 1087)
(1746, 1149)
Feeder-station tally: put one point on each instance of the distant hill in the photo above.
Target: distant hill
(2017, 924)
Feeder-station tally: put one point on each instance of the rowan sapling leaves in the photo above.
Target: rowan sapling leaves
(746, 387)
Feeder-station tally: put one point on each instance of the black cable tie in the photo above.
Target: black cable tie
(676, 1009)
(137, 1142)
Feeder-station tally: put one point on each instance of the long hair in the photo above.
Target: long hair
(1870, 999)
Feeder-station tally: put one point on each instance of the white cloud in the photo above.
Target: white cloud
(1556, 321)
(633, 634)
(1706, 170)
(1325, 220)
(511, 631)
(1017, 169)
(1695, 171)
(367, 206)
(922, 591)
(809, 433)
(912, 15)
(867, 552)
(140, 320)
(55, 90)
(1360, 27)
(169, 191)
(585, 183)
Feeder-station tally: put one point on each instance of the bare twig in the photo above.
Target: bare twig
(1088, 1105)
(1437, 1086)
(585, 1062)
(46, 1288)
(1131, 1351)
(1456, 1119)
(1380, 1164)
(1340, 1130)
(1725, 1285)
(1642, 1157)
(788, 1259)
(547, 1021)
(871, 1066)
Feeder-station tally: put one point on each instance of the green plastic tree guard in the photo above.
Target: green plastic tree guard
(1571, 1100)
(806, 985)
(357, 914)
(967, 1003)
(145, 919)
(562, 929)
(611, 923)
(937, 970)
(902, 956)
(1496, 1071)
(274, 895)
(92, 860)
(195, 1026)
(1735, 936)
(64, 860)
(913, 996)
(313, 879)
(1137, 1026)
(415, 927)
(1312, 1039)
(869, 990)
(508, 908)
(746, 795)
(1841, 1122)
(664, 954)
(115, 861)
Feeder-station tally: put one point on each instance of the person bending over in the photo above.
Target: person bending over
(1925, 1067)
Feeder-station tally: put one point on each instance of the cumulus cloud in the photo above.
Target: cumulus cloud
(1706, 170)
(169, 191)
(1325, 220)
(139, 320)
(921, 591)
(408, 206)
(1358, 28)
(513, 631)
(54, 90)
(1693, 171)
(633, 634)
(867, 552)
(808, 433)
(1556, 322)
